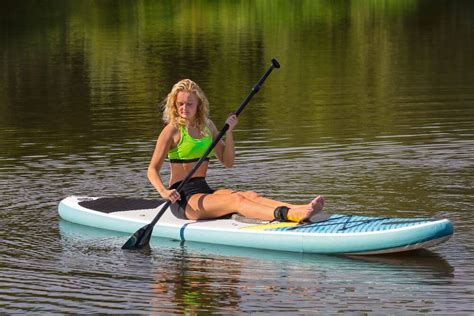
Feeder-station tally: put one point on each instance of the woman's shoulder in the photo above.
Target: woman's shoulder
(170, 130)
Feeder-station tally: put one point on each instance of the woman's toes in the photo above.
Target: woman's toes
(318, 203)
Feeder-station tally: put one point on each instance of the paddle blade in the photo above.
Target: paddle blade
(140, 239)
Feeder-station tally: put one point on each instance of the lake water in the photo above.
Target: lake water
(373, 107)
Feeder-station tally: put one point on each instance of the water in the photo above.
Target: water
(373, 107)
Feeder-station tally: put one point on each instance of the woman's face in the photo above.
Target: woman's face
(187, 105)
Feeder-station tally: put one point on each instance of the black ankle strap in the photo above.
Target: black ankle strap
(281, 213)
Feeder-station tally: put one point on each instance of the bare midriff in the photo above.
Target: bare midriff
(179, 171)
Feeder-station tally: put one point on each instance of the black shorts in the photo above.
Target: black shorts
(194, 186)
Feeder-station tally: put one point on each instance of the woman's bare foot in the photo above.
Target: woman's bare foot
(300, 214)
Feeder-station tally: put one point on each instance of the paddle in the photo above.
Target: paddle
(141, 238)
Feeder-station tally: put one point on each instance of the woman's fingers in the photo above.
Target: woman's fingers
(232, 120)
(174, 196)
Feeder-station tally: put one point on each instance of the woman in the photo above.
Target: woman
(188, 134)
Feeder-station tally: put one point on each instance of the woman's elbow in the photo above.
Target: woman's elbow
(228, 164)
(151, 172)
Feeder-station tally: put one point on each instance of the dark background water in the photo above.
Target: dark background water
(373, 107)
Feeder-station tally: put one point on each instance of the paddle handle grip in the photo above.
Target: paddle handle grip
(257, 87)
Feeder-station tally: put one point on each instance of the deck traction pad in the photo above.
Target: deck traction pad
(120, 204)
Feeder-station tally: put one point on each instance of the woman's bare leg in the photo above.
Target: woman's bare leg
(316, 204)
(206, 206)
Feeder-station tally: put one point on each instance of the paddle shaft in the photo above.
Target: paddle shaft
(219, 136)
(141, 238)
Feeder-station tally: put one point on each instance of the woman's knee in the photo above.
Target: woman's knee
(238, 198)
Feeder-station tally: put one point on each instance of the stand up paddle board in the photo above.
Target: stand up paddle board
(331, 234)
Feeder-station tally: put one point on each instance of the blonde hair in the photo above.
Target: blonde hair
(170, 112)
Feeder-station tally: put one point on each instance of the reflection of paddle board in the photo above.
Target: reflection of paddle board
(344, 234)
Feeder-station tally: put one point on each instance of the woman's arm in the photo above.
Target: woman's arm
(163, 145)
(225, 151)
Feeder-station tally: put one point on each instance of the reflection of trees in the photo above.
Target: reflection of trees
(190, 283)
(75, 63)
(216, 279)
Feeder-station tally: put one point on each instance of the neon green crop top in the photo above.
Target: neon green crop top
(190, 149)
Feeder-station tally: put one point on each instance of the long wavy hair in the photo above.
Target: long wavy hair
(170, 111)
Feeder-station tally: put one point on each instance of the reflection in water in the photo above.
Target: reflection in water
(103, 67)
(191, 277)
(195, 284)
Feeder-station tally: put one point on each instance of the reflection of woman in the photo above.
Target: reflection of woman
(189, 284)
(185, 138)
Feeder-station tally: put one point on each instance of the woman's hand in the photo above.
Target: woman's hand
(171, 195)
(232, 120)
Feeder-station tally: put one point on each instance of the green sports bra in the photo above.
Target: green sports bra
(190, 149)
